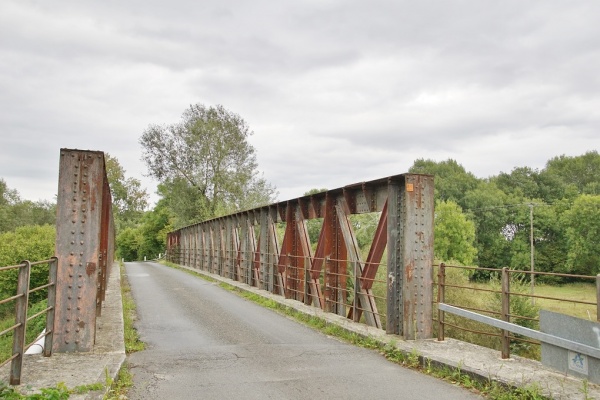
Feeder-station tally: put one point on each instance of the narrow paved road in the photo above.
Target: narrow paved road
(206, 343)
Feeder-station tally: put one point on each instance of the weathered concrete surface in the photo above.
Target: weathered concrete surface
(479, 362)
(76, 369)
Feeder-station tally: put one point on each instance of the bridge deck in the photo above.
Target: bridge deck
(477, 361)
(80, 369)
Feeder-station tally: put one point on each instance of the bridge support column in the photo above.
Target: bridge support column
(84, 245)
(410, 256)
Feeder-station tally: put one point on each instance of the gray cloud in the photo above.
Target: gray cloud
(335, 91)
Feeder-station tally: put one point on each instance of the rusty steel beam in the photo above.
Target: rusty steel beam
(83, 238)
(410, 257)
(250, 251)
(364, 296)
(304, 252)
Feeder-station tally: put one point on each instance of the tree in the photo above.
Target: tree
(15, 212)
(486, 207)
(452, 181)
(454, 234)
(206, 154)
(582, 224)
(33, 243)
(582, 171)
(128, 197)
(154, 228)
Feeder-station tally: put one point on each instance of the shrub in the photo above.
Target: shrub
(33, 243)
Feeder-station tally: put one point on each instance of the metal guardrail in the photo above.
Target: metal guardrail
(505, 314)
(520, 330)
(21, 300)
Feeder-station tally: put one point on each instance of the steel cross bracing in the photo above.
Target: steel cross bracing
(270, 248)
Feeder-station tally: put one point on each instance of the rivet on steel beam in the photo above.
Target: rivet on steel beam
(72, 242)
(81, 242)
(69, 308)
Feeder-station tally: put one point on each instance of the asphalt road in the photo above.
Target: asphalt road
(204, 342)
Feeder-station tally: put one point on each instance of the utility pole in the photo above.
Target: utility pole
(532, 251)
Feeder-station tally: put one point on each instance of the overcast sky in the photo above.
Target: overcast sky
(336, 92)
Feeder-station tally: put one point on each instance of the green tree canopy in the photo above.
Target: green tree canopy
(129, 198)
(206, 164)
(583, 171)
(454, 234)
(452, 181)
(16, 212)
(582, 224)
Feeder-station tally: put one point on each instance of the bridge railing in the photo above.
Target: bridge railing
(307, 249)
(22, 313)
(509, 304)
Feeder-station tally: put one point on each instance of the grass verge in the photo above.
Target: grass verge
(118, 388)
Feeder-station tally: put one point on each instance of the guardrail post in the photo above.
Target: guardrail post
(21, 322)
(441, 298)
(505, 335)
(53, 267)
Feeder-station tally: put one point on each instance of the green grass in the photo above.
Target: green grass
(572, 291)
(34, 328)
(132, 338)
